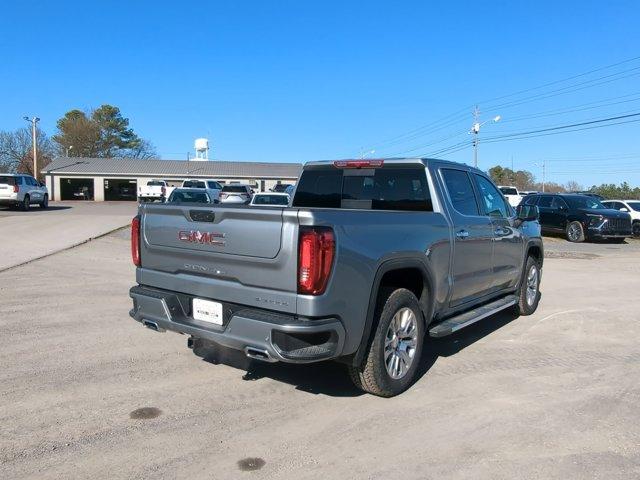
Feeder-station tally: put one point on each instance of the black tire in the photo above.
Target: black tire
(373, 375)
(45, 202)
(575, 232)
(618, 240)
(527, 304)
(636, 228)
(26, 203)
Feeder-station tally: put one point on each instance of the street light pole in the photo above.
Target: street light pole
(33, 121)
(475, 130)
(70, 147)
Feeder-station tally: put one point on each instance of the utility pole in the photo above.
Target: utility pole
(513, 174)
(33, 121)
(544, 173)
(475, 129)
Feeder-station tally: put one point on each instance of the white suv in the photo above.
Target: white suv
(632, 207)
(212, 187)
(18, 190)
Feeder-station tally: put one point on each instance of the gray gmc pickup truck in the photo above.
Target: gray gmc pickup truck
(371, 256)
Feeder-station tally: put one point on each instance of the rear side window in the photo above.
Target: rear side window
(388, 188)
(545, 201)
(460, 191)
(7, 180)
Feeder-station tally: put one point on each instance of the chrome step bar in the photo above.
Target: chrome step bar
(453, 324)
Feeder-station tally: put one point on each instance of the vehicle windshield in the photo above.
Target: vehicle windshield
(579, 201)
(155, 183)
(270, 200)
(234, 188)
(7, 180)
(508, 191)
(182, 196)
(634, 205)
(194, 184)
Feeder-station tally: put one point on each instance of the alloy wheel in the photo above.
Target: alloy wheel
(400, 343)
(532, 285)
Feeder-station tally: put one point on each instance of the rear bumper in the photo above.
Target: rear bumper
(261, 334)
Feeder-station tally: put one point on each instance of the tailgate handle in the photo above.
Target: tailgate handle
(201, 216)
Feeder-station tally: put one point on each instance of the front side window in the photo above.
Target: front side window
(460, 191)
(584, 202)
(492, 201)
(530, 200)
(214, 185)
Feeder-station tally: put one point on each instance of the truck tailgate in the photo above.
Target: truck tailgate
(211, 251)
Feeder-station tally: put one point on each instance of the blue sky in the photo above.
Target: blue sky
(296, 81)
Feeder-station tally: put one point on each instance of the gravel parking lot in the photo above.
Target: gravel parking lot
(553, 395)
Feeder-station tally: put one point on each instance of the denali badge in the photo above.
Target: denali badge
(207, 238)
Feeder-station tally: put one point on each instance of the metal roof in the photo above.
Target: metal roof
(181, 168)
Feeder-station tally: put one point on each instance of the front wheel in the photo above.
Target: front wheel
(45, 202)
(636, 229)
(575, 232)
(529, 294)
(391, 363)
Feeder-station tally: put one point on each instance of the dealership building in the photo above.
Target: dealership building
(101, 179)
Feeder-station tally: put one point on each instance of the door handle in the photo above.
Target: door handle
(462, 234)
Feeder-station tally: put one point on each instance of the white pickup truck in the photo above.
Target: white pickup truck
(511, 194)
(154, 190)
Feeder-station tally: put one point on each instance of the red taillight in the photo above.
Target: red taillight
(15, 189)
(358, 163)
(223, 195)
(135, 241)
(316, 248)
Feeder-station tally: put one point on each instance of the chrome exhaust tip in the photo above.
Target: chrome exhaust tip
(259, 354)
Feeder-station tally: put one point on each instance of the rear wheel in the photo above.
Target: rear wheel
(45, 202)
(26, 203)
(391, 363)
(575, 232)
(529, 294)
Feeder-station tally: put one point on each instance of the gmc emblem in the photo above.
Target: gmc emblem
(205, 238)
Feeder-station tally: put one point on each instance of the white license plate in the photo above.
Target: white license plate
(207, 311)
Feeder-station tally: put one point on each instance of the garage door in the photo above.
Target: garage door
(76, 188)
(120, 189)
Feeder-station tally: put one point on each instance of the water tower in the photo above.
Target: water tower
(202, 149)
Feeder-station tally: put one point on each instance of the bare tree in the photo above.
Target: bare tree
(16, 150)
(573, 186)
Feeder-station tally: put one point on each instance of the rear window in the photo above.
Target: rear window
(178, 196)
(194, 184)
(234, 188)
(155, 183)
(7, 180)
(508, 191)
(270, 200)
(398, 187)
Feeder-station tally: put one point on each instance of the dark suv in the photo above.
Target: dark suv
(580, 217)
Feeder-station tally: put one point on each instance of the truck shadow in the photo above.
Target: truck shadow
(332, 379)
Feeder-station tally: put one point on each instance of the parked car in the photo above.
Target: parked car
(212, 187)
(511, 194)
(18, 190)
(280, 188)
(236, 194)
(632, 207)
(580, 217)
(372, 256)
(190, 195)
(154, 190)
(270, 199)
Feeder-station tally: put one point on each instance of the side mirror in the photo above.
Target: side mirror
(527, 213)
